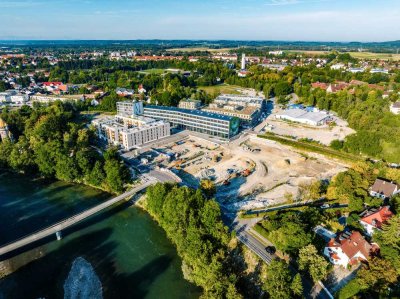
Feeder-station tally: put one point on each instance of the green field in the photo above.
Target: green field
(153, 71)
(369, 55)
(200, 49)
(358, 55)
(222, 88)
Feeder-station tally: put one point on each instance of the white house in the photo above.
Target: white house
(349, 248)
(372, 219)
(384, 189)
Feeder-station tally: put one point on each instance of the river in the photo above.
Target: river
(127, 251)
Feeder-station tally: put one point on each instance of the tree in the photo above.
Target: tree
(208, 188)
(311, 261)
(278, 280)
(282, 88)
(297, 285)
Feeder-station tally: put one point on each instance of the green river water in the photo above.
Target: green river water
(129, 253)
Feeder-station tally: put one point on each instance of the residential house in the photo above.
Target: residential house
(373, 219)
(321, 85)
(384, 189)
(349, 248)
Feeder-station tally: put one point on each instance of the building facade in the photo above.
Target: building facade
(131, 133)
(373, 219)
(4, 132)
(189, 104)
(221, 126)
(129, 108)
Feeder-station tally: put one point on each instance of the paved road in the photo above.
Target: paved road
(242, 228)
(33, 237)
(293, 205)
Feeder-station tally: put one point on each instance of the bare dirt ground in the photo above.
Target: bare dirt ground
(249, 172)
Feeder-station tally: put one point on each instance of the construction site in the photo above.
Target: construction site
(248, 172)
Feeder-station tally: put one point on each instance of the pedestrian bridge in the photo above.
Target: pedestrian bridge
(61, 225)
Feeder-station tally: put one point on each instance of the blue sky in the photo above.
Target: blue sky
(308, 20)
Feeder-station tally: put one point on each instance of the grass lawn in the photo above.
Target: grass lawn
(221, 88)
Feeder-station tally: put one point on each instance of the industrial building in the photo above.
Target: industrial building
(317, 118)
(195, 120)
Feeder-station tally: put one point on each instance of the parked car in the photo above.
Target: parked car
(270, 249)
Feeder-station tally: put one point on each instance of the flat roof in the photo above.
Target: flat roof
(249, 110)
(303, 114)
(192, 112)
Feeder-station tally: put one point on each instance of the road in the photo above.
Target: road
(243, 228)
(297, 204)
(70, 221)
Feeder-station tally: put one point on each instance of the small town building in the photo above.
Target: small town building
(349, 248)
(373, 219)
(384, 189)
(4, 132)
(189, 104)
(395, 108)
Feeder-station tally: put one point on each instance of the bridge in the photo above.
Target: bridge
(59, 226)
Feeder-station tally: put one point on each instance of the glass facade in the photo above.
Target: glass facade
(195, 120)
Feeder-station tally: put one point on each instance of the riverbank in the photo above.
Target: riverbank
(128, 251)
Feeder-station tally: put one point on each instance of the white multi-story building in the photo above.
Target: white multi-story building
(129, 108)
(130, 133)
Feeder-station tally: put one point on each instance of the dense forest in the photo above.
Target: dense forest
(211, 256)
(53, 142)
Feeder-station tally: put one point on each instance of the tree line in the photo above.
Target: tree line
(53, 142)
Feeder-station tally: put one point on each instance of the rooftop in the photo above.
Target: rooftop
(244, 111)
(377, 217)
(303, 114)
(351, 243)
(384, 187)
(192, 112)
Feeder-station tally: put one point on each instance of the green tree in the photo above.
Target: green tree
(278, 280)
(310, 261)
(208, 188)
(297, 285)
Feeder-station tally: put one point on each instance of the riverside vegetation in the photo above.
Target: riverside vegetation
(53, 142)
(211, 256)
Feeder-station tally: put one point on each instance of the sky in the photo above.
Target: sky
(285, 20)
